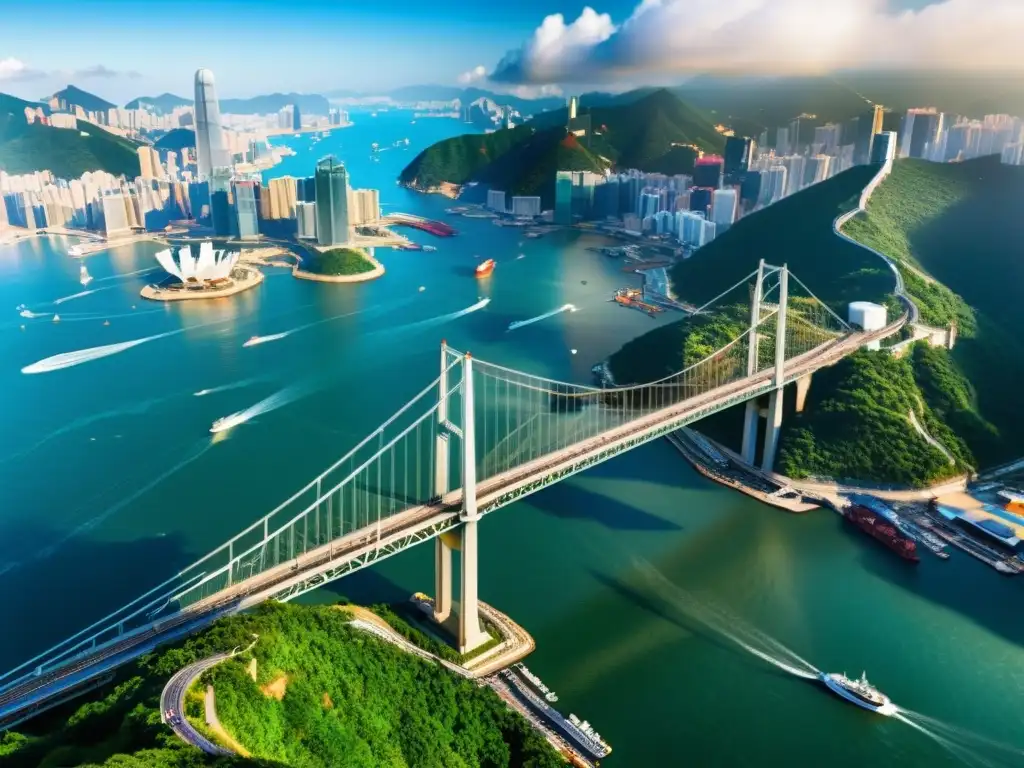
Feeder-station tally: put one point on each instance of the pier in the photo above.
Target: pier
(437, 228)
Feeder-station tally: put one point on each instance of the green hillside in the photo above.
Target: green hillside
(646, 133)
(522, 161)
(15, 106)
(27, 147)
(957, 232)
(349, 701)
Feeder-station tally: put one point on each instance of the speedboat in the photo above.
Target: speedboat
(56, 318)
(83, 276)
(224, 423)
(859, 692)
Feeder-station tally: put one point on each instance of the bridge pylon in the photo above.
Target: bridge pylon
(464, 538)
(751, 415)
(775, 400)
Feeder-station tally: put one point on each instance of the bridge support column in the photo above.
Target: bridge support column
(470, 634)
(442, 580)
(803, 386)
(751, 418)
(771, 435)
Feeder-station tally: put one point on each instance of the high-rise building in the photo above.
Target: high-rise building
(827, 138)
(739, 152)
(877, 123)
(305, 213)
(750, 189)
(210, 148)
(707, 171)
(296, 118)
(363, 206)
(650, 204)
(700, 200)
(149, 161)
(332, 220)
(496, 200)
(926, 128)
(794, 173)
(563, 197)
(884, 147)
(816, 168)
(724, 205)
(525, 206)
(221, 214)
(782, 144)
(247, 221)
(115, 214)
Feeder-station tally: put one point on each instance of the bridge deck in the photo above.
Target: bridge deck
(402, 529)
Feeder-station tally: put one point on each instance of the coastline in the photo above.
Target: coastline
(445, 189)
(361, 277)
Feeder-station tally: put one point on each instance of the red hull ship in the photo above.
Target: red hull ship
(882, 530)
(485, 268)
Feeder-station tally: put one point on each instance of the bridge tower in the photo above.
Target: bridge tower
(775, 400)
(464, 539)
(752, 415)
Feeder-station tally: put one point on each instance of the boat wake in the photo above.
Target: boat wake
(440, 319)
(80, 294)
(545, 316)
(227, 387)
(256, 340)
(145, 271)
(266, 405)
(31, 315)
(728, 625)
(971, 748)
(79, 356)
(264, 339)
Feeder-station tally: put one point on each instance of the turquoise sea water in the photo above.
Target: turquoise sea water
(640, 581)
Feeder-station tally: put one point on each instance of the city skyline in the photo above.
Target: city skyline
(531, 48)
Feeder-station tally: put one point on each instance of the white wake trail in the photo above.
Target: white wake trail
(545, 316)
(128, 274)
(79, 356)
(257, 340)
(227, 387)
(80, 294)
(266, 405)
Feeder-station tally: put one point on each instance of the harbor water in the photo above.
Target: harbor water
(684, 620)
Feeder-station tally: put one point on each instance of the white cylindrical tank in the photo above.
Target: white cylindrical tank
(867, 315)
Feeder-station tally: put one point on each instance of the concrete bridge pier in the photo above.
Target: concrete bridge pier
(803, 386)
(771, 435)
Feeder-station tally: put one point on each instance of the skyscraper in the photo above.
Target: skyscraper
(245, 209)
(210, 149)
(563, 197)
(331, 202)
(724, 205)
(296, 118)
(884, 147)
(925, 130)
(739, 152)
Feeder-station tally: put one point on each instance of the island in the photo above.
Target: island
(338, 265)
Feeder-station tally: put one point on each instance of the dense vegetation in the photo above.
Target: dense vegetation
(350, 700)
(522, 161)
(353, 700)
(856, 424)
(28, 147)
(15, 106)
(338, 261)
(957, 233)
(647, 133)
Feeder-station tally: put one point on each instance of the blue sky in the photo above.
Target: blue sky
(120, 49)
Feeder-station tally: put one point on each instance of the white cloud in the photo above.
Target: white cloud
(676, 37)
(14, 70)
(474, 75)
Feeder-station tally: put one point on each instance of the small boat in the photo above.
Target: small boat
(573, 351)
(83, 276)
(485, 268)
(224, 423)
(56, 318)
(429, 248)
(75, 250)
(106, 322)
(423, 288)
(859, 692)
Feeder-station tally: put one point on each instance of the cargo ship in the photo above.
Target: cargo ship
(484, 268)
(859, 692)
(882, 529)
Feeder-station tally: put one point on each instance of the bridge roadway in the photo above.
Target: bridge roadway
(22, 700)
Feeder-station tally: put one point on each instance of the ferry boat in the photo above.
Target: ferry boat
(859, 692)
(224, 423)
(484, 268)
(83, 276)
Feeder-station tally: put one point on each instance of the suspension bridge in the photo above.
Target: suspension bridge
(475, 439)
